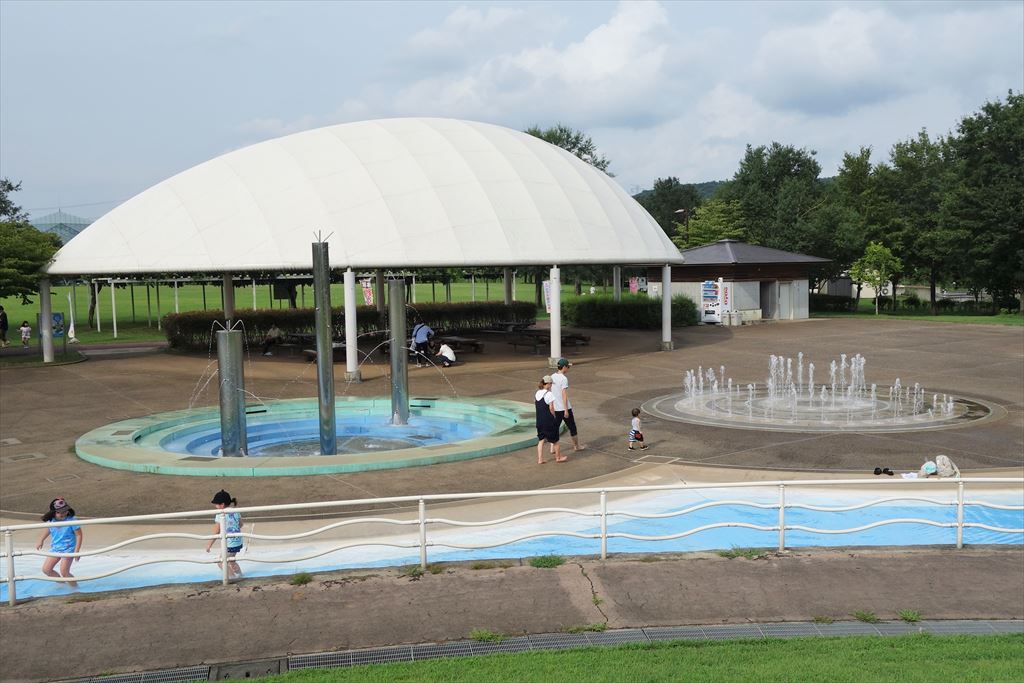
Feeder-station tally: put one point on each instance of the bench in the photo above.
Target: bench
(458, 342)
(537, 343)
(337, 352)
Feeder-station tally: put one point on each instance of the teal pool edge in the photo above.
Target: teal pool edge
(117, 445)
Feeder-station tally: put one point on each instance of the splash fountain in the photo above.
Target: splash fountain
(844, 402)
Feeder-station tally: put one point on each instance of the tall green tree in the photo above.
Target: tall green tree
(672, 204)
(9, 211)
(876, 267)
(922, 175)
(987, 198)
(574, 141)
(24, 250)
(776, 186)
(714, 220)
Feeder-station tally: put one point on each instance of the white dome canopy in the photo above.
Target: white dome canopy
(393, 193)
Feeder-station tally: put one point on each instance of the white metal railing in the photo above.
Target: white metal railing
(602, 512)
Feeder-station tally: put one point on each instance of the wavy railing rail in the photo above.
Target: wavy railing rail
(597, 495)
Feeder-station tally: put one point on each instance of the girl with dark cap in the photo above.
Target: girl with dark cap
(63, 539)
(232, 522)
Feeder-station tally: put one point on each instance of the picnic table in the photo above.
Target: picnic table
(538, 339)
(511, 326)
(337, 352)
(457, 342)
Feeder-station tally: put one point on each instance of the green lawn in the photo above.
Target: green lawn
(1000, 319)
(138, 310)
(908, 659)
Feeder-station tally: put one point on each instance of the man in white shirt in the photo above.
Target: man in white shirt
(445, 356)
(562, 404)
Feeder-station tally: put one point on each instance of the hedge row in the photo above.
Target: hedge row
(832, 303)
(632, 312)
(194, 330)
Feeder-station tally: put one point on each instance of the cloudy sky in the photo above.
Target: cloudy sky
(99, 101)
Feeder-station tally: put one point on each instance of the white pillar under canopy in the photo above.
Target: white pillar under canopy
(666, 308)
(113, 306)
(507, 279)
(45, 320)
(617, 282)
(556, 316)
(351, 329)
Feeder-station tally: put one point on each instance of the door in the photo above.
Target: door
(769, 299)
(785, 301)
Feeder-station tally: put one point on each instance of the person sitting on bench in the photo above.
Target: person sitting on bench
(274, 336)
(445, 356)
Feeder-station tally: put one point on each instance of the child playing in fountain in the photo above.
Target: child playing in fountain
(635, 435)
(63, 539)
(232, 522)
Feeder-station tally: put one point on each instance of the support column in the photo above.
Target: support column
(351, 330)
(45, 320)
(378, 289)
(176, 307)
(413, 297)
(666, 308)
(254, 294)
(507, 279)
(228, 294)
(230, 355)
(113, 305)
(399, 354)
(617, 282)
(131, 295)
(96, 298)
(324, 348)
(556, 316)
(156, 286)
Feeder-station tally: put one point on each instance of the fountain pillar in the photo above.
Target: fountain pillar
(666, 308)
(351, 330)
(232, 392)
(229, 298)
(324, 348)
(399, 355)
(378, 289)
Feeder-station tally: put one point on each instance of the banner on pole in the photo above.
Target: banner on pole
(367, 291)
(547, 295)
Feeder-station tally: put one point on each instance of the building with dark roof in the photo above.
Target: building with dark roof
(757, 283)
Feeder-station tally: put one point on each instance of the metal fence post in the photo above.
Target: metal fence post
(782, 517)
(12, 597)
(222, 524)
(423, 534)
(959, 515)
(604, 525)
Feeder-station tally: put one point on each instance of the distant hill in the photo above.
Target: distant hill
(705, 190)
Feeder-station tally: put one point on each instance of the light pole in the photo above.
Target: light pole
(685, 215)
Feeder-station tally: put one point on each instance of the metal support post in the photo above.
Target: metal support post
(959, 515)
(782, 517)
(12, 595)
(423, 534)
(228, 293)
(324, 348)
(232, 393)
(399, 354)
(113, 306)
(604, 525)
(222, 524)
(617, 283)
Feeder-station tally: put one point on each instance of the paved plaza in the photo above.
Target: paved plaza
(43, 411)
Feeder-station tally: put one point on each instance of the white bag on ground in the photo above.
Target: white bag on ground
(946, 467)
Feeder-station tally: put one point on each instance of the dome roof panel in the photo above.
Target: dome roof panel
(483, 194)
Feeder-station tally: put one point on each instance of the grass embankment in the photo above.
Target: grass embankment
(137, 321)
(866, 311)
(911, 659)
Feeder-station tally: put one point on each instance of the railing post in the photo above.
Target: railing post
(959, 515)
(782, 517)
(423, 534)
(222, 524)
(12, 596)
(604, 525)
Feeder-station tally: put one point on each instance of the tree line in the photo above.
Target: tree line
(948, 209)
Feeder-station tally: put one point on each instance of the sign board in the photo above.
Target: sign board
(58, 325)
(547, 295)
(367, 291)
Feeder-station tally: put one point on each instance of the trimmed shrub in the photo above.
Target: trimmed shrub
(638, 312)
(832, 303)
(193, 331)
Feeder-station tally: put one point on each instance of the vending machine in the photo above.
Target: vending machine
(711, 302)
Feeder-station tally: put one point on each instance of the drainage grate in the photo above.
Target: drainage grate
(22, 456)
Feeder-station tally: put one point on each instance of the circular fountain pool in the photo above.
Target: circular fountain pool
(790, 400)
(283, 437)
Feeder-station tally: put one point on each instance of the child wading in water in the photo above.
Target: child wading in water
(635, 435)
(232, 522)
(63, 539)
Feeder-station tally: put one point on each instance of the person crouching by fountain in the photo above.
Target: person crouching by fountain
(445, 356)
(63, 539)
(232, 522)
(547, 424)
